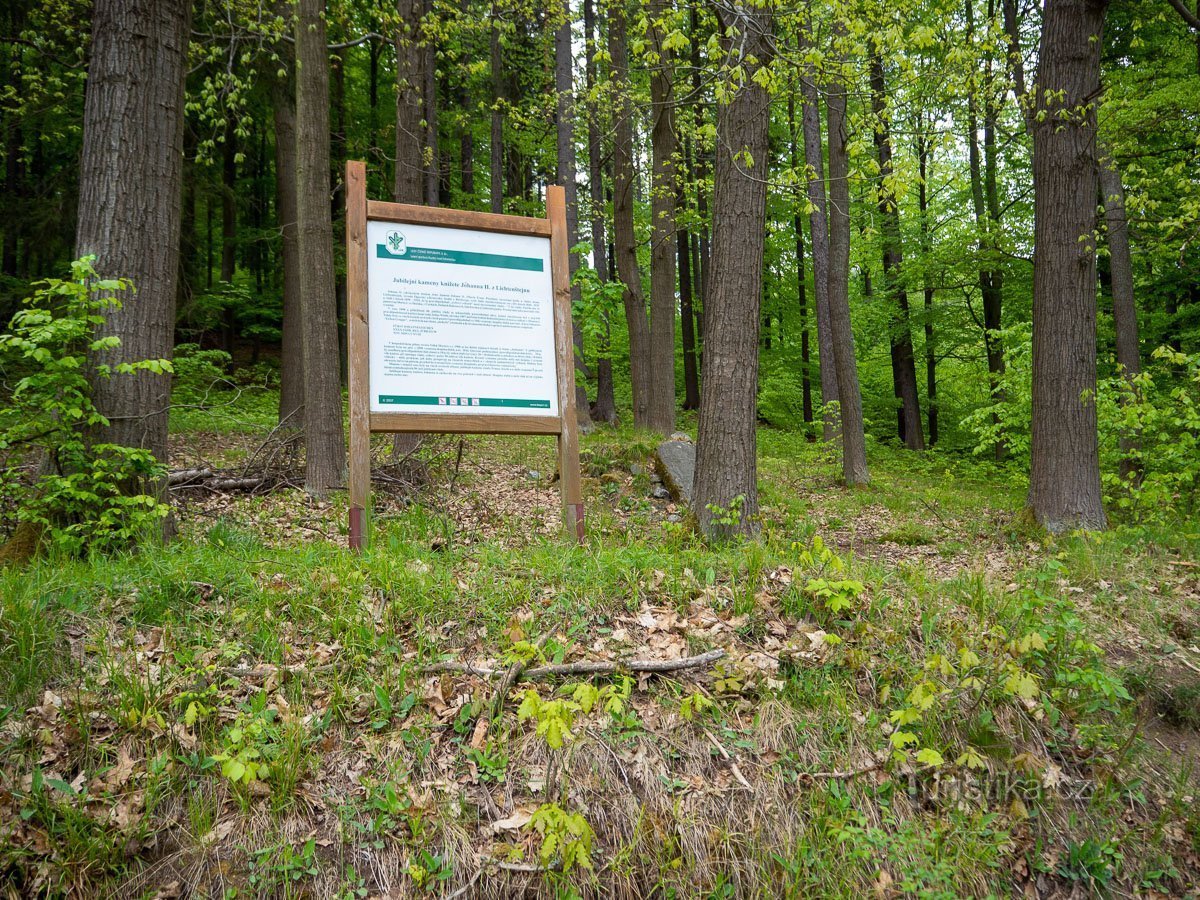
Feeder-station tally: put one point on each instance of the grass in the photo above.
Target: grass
(139, 691)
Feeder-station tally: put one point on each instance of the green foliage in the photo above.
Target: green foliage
(198, 373)
(1159, 414)
(84, 494)
(566, 837)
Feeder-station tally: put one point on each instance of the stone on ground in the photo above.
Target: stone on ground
(676, 463)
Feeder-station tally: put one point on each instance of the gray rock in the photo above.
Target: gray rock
(676, 463)
(674, 517)
(680, 436)
(534, 475)
(636, 469)
(660, 493)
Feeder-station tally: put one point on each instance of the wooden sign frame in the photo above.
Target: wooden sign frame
(364, 421)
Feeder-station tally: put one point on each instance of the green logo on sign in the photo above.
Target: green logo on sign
(397, 243)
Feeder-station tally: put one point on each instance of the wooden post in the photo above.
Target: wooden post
(356, 339)
(568, 438)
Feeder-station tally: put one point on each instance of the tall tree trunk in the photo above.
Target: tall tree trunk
(129, 201)
(923, 164)
(497, 140)
(1064, 482)
(564, 84)
(904, 371)
(1129, 356)
(854, 445)
(691, 383)
(726, 483)
(662, 224)
(700, 177)
(606, 406)
(987, 224)
(623, 233)
(801, 287)
(410, 83)
(819, 238)
(291, 372)
(325, 448)
(229, 232)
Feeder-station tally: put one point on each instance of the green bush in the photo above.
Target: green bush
(79, 497)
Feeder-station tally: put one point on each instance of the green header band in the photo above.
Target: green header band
(461, 258)
(461, 402)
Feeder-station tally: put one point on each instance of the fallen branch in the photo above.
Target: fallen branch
(510, 678)
(649, 666)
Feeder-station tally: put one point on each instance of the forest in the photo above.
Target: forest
(913, 289)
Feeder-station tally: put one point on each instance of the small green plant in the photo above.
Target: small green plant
(694, 705)
(728, 516)
(556, 717)
(249, 746)
(280, 869)
(566, 837)
(428, 871)
(491, 763)
(85, 494)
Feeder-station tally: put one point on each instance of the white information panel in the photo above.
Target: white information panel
(460, 321)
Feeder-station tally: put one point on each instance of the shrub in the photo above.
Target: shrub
(80, 496)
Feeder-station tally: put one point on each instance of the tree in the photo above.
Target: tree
(606, 406)
(1064, 481)
(291, 374)
(854, 444)
(325, 448)
(818, 227)
(904, 373)
(129, 201)
(411, 82)
(661, 415)
(726, 484)
(564, 83)
(624, 238)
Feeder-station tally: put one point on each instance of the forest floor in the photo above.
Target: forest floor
(939, 703)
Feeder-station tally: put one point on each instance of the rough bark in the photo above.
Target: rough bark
(691, 381)
(606, 407)
(726, 483)
(129, 200)
(904, 372)
(325, 449)
(429, 112)
(1064, 488)
(854, 446)
(624, 239)
(818, 226)
(564, 84)
(662, 225)
(291, 371)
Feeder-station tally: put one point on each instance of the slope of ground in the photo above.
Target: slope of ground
(895, 691)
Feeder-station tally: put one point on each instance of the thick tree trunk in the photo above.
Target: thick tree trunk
(854, 445)
(625, 241)
(662, 225)
(291, 372)
(1064, 483)
(606, 407)
(819, 232)
(726, 483)
(325, 448)
(1129, 355)
(410, 84)
(129, 201)
(801, 287)
(904, 371)
(564, 84)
